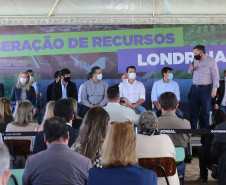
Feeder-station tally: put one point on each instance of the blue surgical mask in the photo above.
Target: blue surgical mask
(170, 77)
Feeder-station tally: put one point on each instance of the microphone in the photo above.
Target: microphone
(193, 61)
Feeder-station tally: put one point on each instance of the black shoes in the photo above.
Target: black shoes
(214, 171)
(200, 179)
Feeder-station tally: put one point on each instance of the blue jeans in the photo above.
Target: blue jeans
(140, 109)
(222, 108)
(200, 106)
(82, 110)
(178, 112)
(181, 171)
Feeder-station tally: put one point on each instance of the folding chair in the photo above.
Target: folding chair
(180, 156)
(163, 166)
(16, 177)
(18, 147)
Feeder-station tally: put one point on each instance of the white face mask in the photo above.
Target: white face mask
(225, 78)
(31, 78)
(99, 77)
(23, 80)
(132, 76)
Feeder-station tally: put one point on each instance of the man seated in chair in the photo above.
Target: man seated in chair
(168, 120)
(4, 164)
(58, 164)
(165, 85)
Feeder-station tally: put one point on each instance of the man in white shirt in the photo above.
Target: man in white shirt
(118, 112)
(165, 85)
(133, 90)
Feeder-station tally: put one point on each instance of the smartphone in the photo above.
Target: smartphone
(122, 100)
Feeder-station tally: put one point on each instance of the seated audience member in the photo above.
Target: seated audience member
(165, 85)
(119, 160)
(36, 86)
(76, 123)
(48, 114)
(4, 164)
(133, 90)
(50, 87)
(118, 112)
(2, 90)
(123, 77)
(89, 77)
(220, 99)
(92, 134)
(64, 88)
(23, 121)
(63, 108)
(6, 115)
(94, 91)
(23, 90)
(58, 164)
(218, 151)
(206, 161)
(168, 120)
(151, 144)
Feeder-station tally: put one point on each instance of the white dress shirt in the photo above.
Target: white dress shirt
(80, 94)
(133, 92)
(160, 87)
(121, 113)
(64, 90)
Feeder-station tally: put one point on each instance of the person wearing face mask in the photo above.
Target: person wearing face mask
(50, 87)
(23, 90)
(36, 85)
(94, 91)
(220, 100)
(206, 81)
(165, 85)
(64, 88)
(133, 90)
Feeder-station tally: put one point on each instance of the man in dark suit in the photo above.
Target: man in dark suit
(220, 100)
(50, 87)
(58, 164)
(64, 88)
(1, 90)
(218, 151)
(206, 161)
(63, 108)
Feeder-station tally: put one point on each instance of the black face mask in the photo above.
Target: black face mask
(67, 79)
(197, 57)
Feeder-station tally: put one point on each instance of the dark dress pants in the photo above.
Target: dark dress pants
(203, 164)
(200, 106)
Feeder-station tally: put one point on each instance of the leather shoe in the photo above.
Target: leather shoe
(200, 179)
(214, 173)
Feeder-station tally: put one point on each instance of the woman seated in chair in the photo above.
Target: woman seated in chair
(151, 144)
(23, 90)
(6, 115)
(48, 114)
(23, 121)
(119, 160)
(92, 134)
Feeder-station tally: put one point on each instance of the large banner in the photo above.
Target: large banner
(46, 49)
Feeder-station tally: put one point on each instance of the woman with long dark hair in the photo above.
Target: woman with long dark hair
(92, 134)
